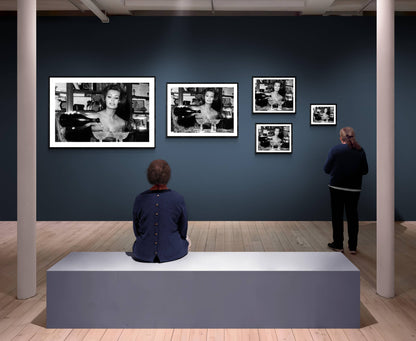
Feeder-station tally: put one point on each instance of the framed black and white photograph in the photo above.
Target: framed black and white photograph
(101, 112)
(324, 114)
(274, 95)
(274, 138)
(202, 109)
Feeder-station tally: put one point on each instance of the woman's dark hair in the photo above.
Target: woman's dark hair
(123, 108)
(158, 172)
(347, 135)
(282, 89)
(211, 90)
(216, 105)
(116, 87)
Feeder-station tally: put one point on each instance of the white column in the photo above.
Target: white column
(26, 148)
(385, 148)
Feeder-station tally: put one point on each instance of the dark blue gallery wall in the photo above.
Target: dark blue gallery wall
(8, 125)
(221, 178)
(333, 59)
(405, 119)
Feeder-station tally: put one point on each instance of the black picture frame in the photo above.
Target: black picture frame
(274, 138)
(273, 95)
(202, 109)
(134, 112)
(323, 114)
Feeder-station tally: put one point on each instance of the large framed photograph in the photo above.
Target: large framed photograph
(274, 138)
(324, 114)
(202, 109)
(274, 95)
(101, 112)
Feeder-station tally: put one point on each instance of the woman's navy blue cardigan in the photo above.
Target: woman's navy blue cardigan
(346, 166)
(160, 224)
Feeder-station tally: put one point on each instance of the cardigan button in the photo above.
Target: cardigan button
(157, 204)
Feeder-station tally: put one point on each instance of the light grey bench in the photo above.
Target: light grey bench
(204, 290)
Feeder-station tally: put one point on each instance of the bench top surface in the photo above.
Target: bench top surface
(209, 261)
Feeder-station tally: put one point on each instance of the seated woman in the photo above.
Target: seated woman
(160, 220)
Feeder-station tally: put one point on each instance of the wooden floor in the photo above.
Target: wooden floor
(381, 319)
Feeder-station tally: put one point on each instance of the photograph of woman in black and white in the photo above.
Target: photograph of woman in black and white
(199, 110)
(323, 114)
(274, 95)
(101, 114)
(274, 138)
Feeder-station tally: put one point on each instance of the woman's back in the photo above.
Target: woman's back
(160, 220)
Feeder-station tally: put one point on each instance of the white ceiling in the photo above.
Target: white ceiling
(216, 7)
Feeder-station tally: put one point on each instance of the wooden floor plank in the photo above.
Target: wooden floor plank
(94, 334)
(48, 334)
(216, 335)
(319, 335)
(302, 335)
(163, 334)
(181, 335)
(285, 335)
(77, 334)
(242, 335)
(198, 334)
(267, 335)
(211, 237)
(201, 242)
(220, 236)
(354, 335)
(111, 334)
(372, 333)
(337, 334)
(238, 244)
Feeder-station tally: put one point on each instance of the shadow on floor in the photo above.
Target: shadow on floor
(40, 320)
(366, 319)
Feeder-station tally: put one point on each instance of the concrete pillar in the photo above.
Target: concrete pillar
(26, 148)
(385, 148)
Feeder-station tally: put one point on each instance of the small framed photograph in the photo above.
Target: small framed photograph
(101, 112)
(202, 109)
(323, 114)
(274, 138)
(274, 95)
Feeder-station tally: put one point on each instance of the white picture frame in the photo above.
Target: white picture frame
(274, 138)
(202, 109)
(134, 113)
(274, 95)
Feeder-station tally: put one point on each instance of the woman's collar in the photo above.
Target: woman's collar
(159, 187)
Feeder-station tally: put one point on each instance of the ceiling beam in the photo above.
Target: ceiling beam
(92, 6)
(77, 5)
(317, 7)
(217, 13)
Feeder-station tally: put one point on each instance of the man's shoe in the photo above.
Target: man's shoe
(353, 252)
(335, 248)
